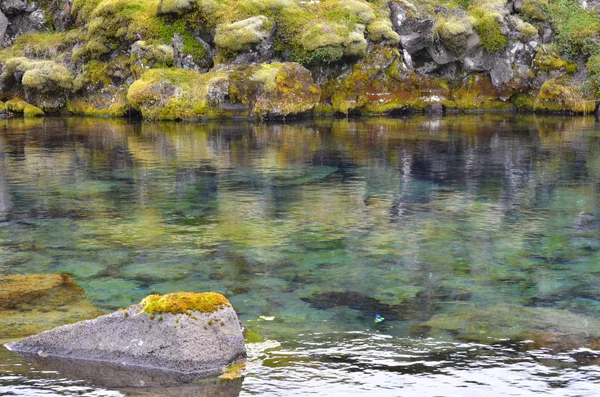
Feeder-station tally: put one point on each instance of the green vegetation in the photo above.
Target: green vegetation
(242, 35)
(42, 76)
(548, 63)
(267, 89)
(487, 25)
(184, 303)
(454, 31)
(22, 107)
(558, 95)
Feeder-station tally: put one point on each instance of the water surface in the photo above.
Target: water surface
(333, 240)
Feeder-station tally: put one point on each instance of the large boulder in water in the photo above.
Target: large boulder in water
(191, 333)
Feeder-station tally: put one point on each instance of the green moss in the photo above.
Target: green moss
(526, 30)
(535, 9)
(593, 67)
(184, 302)
(176, 7)
(477, 94)
(524, 102)
(233, 371)
(559, 95)
(242, 35)
(20, 106)
(381, 30)
(274, 89)
(454, 30)
(99, 105)
(547, 62)
(169, 94)
(39, 76)
(145, 55)
(168, 27)
(42, 45)
(487, 25)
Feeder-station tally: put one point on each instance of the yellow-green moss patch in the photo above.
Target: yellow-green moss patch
(184, 302)
(22, 107)
(242, 35)
(559, 95)
(233, 371)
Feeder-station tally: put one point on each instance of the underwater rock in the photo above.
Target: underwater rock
(36, 302)
(552, 328)
(190, 333)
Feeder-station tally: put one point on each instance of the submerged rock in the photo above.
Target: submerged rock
(36, 302)
(558, 329)
(183, 332)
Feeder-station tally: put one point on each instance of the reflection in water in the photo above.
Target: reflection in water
(319, 227)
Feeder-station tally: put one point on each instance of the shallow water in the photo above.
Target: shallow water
(313, 230)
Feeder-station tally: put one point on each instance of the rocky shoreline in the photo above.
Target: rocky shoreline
(204, 59)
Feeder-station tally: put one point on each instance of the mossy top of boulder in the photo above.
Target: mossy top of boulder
(184, 302)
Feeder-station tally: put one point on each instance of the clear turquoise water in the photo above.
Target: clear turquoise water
(312, 230)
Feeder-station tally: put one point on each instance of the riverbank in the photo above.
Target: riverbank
(203, 59)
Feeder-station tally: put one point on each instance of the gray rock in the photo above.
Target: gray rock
(3, 25)
(477, 61)
(434, 109)
(501, 72)
(440, 54)
(37, 18)
(12, 7)
(193, 343)
(547, 35)
(517, 4)
(415, 34)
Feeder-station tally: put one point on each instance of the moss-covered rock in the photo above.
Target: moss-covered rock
(44, 83)
(547, 62)
(21, 107)
(456, 32)
(33, 303)
(242, 35)
(177, 7)
(109, 102)
(477, 93)
(277, 89)
(488, 23)
(379, 84)
(560, 95)
(145, 55)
